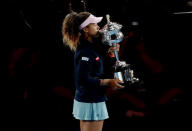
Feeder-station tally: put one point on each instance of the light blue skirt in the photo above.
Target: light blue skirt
(90, 111)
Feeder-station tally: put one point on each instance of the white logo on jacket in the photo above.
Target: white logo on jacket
(85, 58)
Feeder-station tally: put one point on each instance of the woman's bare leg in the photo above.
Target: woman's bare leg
(91, 125)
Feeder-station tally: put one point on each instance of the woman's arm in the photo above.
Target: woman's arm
(85, 78)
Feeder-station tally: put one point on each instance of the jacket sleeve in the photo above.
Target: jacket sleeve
(84, 69)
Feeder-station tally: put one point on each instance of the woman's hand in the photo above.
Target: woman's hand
(112, 49)
(115, 84)
(112, 83)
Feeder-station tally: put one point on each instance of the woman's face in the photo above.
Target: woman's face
(93, 30)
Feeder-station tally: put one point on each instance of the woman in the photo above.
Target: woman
(81, 33)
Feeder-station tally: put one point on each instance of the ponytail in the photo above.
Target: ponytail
(70, 29)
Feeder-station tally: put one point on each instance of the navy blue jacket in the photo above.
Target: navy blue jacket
(89, 69)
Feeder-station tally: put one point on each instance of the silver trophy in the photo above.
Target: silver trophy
(112, 36)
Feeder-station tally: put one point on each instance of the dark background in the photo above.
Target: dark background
(157, 45)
